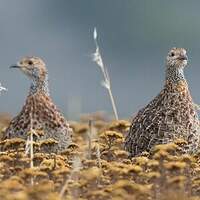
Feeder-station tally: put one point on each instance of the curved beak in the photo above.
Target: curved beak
(15, 66)
(183, 57)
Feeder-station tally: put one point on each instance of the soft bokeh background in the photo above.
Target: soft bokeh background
(135, 36)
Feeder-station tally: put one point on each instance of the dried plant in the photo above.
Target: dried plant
(72, 175)
(29, 145)
(98, 155)
(76, 167)
(2, 88)
(90, 139)
(97, 58)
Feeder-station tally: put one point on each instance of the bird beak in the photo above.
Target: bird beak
(183, 57)
(15, 66)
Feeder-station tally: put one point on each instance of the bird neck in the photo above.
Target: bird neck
(40, 85)
(174, 74)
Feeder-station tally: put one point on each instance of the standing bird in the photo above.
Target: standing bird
(170, 115)
(39, 111)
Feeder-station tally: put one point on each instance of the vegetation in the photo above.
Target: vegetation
(95, 166)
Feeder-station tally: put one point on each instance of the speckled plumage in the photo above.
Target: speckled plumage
(170, 115)
(39, 109)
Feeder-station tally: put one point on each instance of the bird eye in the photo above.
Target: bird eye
(30, 62)
(172, 54)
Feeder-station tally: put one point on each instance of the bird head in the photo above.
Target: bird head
(177, 57)
(33, 67)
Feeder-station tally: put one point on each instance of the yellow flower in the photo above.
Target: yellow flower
(165, 147)
(141, 161)
(175, 165)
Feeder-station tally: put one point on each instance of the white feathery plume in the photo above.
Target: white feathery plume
(2, 88)
(106, 83)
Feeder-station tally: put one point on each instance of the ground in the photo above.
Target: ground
(96, 167)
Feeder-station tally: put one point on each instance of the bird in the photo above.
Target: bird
(39, 112)
(170, 115)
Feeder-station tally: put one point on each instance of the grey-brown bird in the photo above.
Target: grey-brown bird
(170, 115)
(39, 111)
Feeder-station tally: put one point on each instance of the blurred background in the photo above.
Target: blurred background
(134, 37)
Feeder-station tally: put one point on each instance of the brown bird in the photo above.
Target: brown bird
(170, 115)
(39, 111)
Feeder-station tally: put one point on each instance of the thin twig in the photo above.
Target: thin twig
(97, 58)
(76, 167)
(98, 154)
(29, 145)
(90, 139)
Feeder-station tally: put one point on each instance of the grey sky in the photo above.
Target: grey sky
(135, 36)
